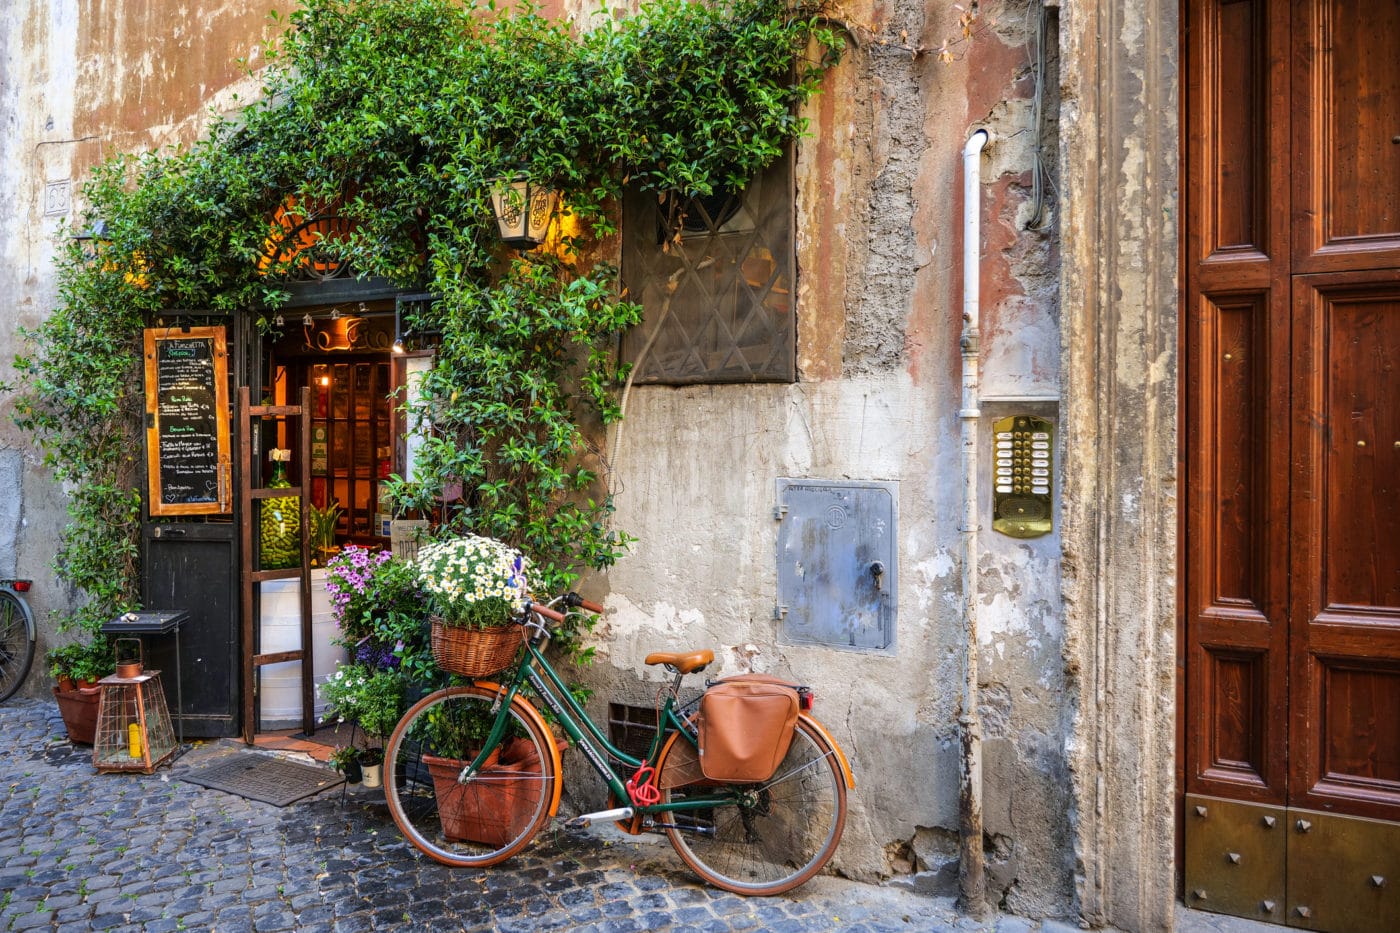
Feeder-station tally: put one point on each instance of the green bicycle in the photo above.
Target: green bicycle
(472, 773)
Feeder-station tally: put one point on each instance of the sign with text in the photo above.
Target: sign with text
(187, 421)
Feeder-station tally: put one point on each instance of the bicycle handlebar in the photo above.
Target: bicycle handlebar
(569, 601)
(547, 612)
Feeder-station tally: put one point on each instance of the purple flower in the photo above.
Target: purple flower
(376, 655)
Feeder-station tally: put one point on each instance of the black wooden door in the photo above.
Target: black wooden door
(194, 566)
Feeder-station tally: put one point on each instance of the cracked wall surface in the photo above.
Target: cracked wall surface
(879, 286)
(80, 82)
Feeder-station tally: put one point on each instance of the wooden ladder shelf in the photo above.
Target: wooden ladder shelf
(248, 416)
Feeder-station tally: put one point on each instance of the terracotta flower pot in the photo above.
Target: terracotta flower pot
(79, 710)
(486, 811)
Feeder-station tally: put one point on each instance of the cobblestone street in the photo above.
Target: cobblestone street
(79, 850)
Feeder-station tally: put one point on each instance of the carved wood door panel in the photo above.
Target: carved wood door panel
(1345, 541)
(1292, 405)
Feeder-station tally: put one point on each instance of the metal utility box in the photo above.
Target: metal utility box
(837, 567)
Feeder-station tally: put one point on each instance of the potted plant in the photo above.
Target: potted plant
(96, 661)
(372, 761)
(323, 522)
(346, 760)
(78, 667)
(376, 601)
(485, 810)
(488, 810)
(62, 660)
(475, 586)
(374, 699)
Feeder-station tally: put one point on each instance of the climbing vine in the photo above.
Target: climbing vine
(393, 115)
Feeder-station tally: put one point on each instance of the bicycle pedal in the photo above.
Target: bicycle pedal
(585, 820)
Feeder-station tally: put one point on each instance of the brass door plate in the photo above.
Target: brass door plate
(1303, 868)
(1343, 873)
(1235, 856)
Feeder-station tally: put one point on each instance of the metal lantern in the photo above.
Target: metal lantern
(133, 723)
(91, 239)
(523, 210)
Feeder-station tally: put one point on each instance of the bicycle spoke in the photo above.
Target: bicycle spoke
(16, 646)
(767, 838)
(491, 815)
(788, 775)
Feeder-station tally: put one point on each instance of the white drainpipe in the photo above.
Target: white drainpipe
(972, 886)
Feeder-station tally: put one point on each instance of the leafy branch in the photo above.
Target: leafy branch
(393, 115)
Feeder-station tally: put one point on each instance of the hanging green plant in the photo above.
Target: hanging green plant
(395, 115)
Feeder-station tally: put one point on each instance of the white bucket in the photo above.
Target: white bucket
(279, 687)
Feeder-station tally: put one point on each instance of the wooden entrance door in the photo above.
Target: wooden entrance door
(1292, 311)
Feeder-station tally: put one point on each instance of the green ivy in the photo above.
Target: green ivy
(398, 112)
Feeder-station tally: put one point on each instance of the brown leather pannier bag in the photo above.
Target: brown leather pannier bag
(746, 726)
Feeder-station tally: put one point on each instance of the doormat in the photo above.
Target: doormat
(262, 777)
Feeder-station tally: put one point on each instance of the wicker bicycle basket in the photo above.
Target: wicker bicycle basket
(474, 652)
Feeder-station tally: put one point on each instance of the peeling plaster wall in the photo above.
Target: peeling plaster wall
(1119, 142)
(879, 301)
(80, 81)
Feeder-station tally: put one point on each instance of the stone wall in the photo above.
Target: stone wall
(880, 281)
(1119, 145)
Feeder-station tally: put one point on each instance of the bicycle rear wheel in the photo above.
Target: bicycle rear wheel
(770, 837)
(494, 814)
(16, 643)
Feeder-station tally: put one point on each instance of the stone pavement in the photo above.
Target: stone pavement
(79, 851)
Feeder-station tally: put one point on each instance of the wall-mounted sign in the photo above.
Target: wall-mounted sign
(319, 435)
(187, 421)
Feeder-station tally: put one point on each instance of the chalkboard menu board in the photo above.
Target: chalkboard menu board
(187, 421)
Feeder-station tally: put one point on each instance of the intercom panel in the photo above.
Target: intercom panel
(1023, 476)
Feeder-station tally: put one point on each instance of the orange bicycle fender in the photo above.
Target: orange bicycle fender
(527, 709)
(840, 755)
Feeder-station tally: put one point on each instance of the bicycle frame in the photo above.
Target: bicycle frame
(545, 681)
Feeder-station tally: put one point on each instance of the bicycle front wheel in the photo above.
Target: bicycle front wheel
(16, 644)
(494, 814)
(767, 838)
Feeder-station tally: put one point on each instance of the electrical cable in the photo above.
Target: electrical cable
(1038, 172)
(671, 285)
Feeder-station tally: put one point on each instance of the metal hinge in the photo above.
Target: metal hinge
(779, 512)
